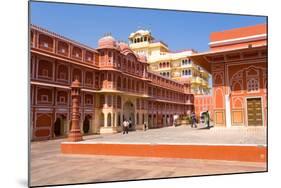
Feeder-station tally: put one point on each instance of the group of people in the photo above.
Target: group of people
(205, 116)
(126, 125)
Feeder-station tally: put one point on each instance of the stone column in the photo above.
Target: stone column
(105, 119)
(121, 114)
(112, 119)
(116, 119)
(75, 133)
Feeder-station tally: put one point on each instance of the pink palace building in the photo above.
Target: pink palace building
(116, 85)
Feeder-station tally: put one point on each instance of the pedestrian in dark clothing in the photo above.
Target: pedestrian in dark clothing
(207, 118)
(193, 120)
(144, 126)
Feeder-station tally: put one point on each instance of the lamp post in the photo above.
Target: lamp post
(75, 133)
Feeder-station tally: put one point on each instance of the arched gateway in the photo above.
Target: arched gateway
(59, 126)
(129, 113)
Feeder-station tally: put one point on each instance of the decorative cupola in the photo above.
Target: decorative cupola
(141, 36)
(107, 42)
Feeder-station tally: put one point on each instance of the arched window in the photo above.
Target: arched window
(119, 102)
(102, 100)
(119, 82)
(133, 85)
(252, 85)
(138, 118)
(124, 83)
(109, 120)
(109, 100)
(129, 66)
(109, 77)
(129, 84)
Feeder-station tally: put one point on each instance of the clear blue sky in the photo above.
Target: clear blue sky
(180, 30)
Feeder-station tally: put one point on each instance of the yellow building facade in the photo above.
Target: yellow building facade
(175, 65)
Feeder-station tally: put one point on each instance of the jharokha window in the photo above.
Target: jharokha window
(62, 72)
(109, 57)
(62, 99)
(119, 102)
(252, 85)
(77, 52)
(45, 42)
(62, 76)
(44, 95)
(88, 99)
(89, 56)
(77, 75)
(44, 98)
(89, 78)
(45, 69)
(62, 48)
(109, 100)
(102, 100)
(96, 80)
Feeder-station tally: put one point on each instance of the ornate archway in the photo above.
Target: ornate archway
(59, 126)
(129, 112)
(86, 124)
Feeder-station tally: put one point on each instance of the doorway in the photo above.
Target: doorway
(86, 124)
(129, 113)
(59, 126)
(254, 110)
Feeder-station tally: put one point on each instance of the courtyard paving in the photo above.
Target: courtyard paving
(188, 135)
(50, 167)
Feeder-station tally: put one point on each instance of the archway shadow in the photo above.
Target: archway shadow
(203, 128)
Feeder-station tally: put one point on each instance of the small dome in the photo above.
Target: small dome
(140, 32)
(107, 42)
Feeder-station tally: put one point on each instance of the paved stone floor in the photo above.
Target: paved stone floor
(50, 167)
(185, 134)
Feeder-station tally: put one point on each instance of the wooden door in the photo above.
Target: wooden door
(254, 110)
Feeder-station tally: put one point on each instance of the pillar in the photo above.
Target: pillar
(105, 119)
(112, 119)
(227, 111)
(75, 133)
(121, 114)
(115, 119)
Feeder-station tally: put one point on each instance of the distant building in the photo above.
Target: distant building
(237, 60)
(175, 65)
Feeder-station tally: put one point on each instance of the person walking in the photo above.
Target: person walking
(193, 120)
(207, 118)
(125, 126)
(144, 126)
